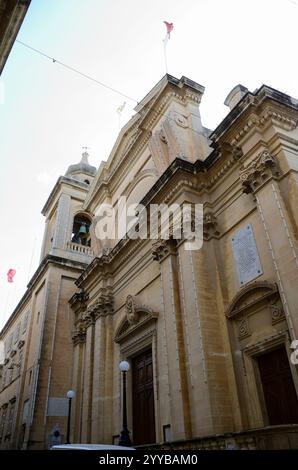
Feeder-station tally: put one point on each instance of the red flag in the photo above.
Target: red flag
(10, 275)
(169, 27)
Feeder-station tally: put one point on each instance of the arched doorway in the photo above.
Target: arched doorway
(267, 381)
(136, 336)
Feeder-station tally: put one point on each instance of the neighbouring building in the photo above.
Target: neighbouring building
(208, 333)
(12, 14)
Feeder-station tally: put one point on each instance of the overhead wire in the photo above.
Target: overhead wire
(98, 82)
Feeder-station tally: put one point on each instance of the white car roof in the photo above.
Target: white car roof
(89, 447)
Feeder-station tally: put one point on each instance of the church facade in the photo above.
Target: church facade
(209, 333)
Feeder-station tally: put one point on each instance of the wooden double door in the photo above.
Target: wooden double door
(143, 399)
(278, 387)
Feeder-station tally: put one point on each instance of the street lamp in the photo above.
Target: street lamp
(124, 435)
(70, 395)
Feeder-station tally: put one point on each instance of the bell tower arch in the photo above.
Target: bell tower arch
(67, 231)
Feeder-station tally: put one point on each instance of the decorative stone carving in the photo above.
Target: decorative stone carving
(162, 136)
(21, 343)
(210, 229)
(162, 248)
(180, 120)
(131, 312)
(235, 150)
(80, 333)
(88, 319)
(243, 328)
(78, 301)
(250, 295)
(104, 303)
(137, 316)
(258, 171)
(102, 306)
(277, 313)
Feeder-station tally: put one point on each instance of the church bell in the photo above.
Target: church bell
(83, 231)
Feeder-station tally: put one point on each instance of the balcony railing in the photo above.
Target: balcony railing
(77, 248)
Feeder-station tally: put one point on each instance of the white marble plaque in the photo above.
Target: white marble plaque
(246, 255)
(57, 406)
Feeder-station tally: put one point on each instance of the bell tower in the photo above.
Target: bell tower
(67, 230)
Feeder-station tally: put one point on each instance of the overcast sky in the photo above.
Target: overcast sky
(49, 113)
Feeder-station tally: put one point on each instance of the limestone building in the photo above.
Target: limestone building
(207, 332)
(12, 14)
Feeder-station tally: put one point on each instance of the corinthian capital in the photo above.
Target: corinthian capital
(257, 172)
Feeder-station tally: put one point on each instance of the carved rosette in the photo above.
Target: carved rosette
(258, 172)
(277, 313)
(243, 328)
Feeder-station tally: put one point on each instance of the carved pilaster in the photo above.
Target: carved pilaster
(257, 172)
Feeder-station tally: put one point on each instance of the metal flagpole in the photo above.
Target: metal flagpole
(165, 53)
(169, 27)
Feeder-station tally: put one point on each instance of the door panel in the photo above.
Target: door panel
(278, 387)
(143, 399)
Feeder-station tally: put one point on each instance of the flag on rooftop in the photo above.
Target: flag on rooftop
(169, 27)
(120, 108)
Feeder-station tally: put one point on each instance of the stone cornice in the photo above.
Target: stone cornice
(270, 116)
(63, 180)
(255, 99)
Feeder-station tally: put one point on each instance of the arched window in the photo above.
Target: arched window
(81, 230)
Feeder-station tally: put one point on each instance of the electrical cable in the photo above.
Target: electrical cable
(98, 82)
